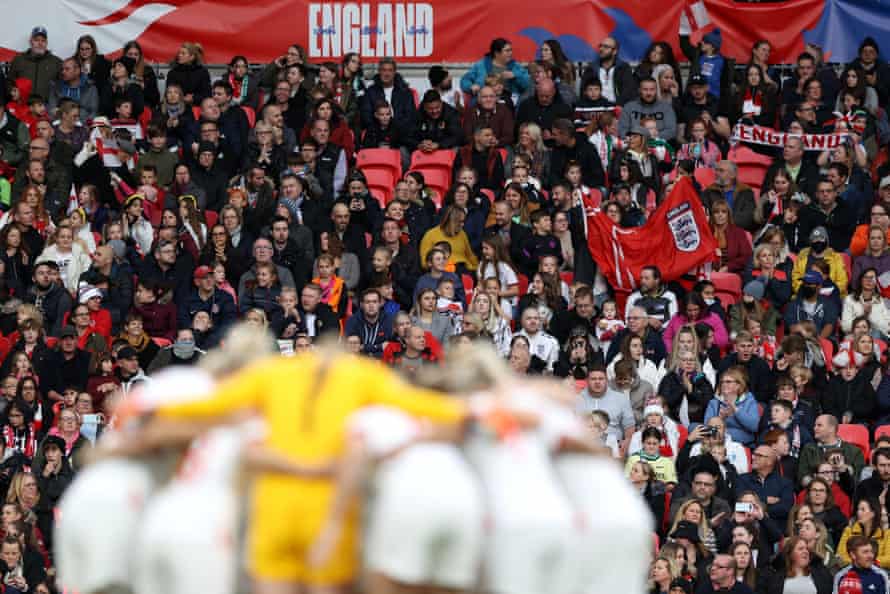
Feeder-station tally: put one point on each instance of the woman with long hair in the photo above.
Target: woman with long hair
(341, 134)
(175, 115)
(870, 522)
(745, 568)
(693, 511)
(516, 197)
(756, 101)
(866, 300)
(427, 316)
(685, 389)
(530, 142)
(188, 71)
(451, 231)
(219, 249)
(734, 248)
(816, 535)
(143, 73)
(552, 54)
(421, 199)
(820, 499)
(92, 63)
(120, 87)
(803, 571)
(16, 260)
(493, 319)
(664, 570)
(659, 52)
(245, 84)
(642, 477)
(632, 349)
(342, 93)
(695, 311)
(496, 263)
(475, 206)
(193, 223)
(545, 294)
(853, 81)
(735, 404)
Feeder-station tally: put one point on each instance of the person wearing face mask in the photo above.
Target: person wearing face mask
(753, 306)
(183, 351)
(811, 305)
(819, 250)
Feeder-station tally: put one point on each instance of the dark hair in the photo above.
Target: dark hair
(651, 432)
(224, 85)
(497, 46)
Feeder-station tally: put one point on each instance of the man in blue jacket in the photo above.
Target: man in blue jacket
(777, 492)
(206, 297)
(371, 324)
(389, 86)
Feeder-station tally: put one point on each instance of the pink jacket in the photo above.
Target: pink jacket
(721, 338)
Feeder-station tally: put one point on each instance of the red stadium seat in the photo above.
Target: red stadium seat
(704, 176)
(443, 159)
(210, 217)
(752, 166)
(728, 286)
(380, 159)
(523, 284)
(468, 287)
(380, 178)
(567, 277)
(827, 352)
(882, 430)
(488, 194)
(379, 195)
(416, 97)
(857, 435)
(161, 341)
(681, 440)
(439, 181)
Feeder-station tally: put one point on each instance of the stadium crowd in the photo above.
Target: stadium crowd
(748, 398)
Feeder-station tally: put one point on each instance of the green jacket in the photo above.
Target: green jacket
(811, 456)
(40, 70)
(14, 140)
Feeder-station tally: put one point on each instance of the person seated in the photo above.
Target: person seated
(651, 453)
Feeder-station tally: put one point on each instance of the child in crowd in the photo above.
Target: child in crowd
(608, 325)
(333, 288)
(448, 305)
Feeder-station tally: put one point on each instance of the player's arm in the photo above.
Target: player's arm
(260, 459)
(383, 386)
(244, 390)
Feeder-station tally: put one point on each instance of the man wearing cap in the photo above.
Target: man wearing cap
(37, 64)
(74, 85)
(837, 217)
(437, 125)
(570, 145)
(648, 105)
(697, 102)
(811, 305)
(128, 371)
(56, 175)
(111, 273)
(389, 86)
(819, 250)
(206, 297)
(73, 363)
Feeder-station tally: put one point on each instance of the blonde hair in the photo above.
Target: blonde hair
(703, 528)
(242, 345)
(195, 49)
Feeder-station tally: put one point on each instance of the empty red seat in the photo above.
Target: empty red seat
(857, 435)
(443, 159)
(728, 287)
(380, 159)
(704, 176)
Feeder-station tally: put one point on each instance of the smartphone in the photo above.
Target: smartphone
(743, 507)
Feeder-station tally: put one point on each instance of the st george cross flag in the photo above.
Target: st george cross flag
(676, 238)
(695, 20)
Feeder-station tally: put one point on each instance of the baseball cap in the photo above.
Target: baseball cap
(53, 440)
(697, 80)
(39, 31)
(68, 332)
(812, 277)
(885, 181)
(127, 352)
(202, 272)
(819, 234)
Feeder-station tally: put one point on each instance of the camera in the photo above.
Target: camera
(743, 507)
(710, 431)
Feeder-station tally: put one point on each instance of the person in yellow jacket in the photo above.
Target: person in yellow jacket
(819, 247)
(305, 402)
(868, 523)
(451, 231)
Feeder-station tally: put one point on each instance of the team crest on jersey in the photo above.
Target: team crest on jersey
(684, 227)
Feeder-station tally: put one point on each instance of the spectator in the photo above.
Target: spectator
(75, 85)
(183, 352)
(120, 88)
(819, 250)
(91, 62)
(371, 323)
(499, 61)
(736, 406)
(877, 73)
(206, 297)
(543, 108)
(845, 457)
(389, 86)
(437, 125)
(615, 75)
(868, 524)
(802, 172)
(696, 312)
(572, 146)
(37, 64)
(487, 112)
(597, 396)
(811, 305)
(765, 481)
(188, 71)
(483, 157)
(648, 105)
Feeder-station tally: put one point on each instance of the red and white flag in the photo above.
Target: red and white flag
(695, 20)
(73, 203)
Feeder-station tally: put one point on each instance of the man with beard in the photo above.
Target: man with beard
(37, 64)
(616, 76)
(648, 105)
(51, 299)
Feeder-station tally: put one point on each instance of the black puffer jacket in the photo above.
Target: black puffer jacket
(673, 390)
(193, 78)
